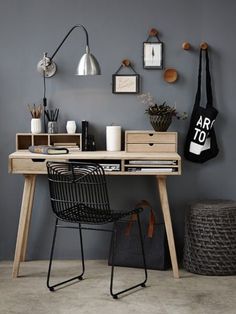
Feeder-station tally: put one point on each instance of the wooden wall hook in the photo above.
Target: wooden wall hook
(126, 62)
(204, 45)
(186, 45)
(153, 32)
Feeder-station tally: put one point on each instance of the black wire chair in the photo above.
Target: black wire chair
(78, 193)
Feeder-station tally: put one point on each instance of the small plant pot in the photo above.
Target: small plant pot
(160, 123)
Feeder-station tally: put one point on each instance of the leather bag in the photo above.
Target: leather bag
(128, 247)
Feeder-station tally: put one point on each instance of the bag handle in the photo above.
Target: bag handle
(208, 82)
(143, 204)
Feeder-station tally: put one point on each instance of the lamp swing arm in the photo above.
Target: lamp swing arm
(67, 35)
(88, 64)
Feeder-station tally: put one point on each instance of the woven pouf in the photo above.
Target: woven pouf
(210, 238)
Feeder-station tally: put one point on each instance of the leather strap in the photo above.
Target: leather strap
(208, 83)
(143, 204)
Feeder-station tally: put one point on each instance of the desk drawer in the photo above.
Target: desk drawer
(151, 137)
(21, 165)
(151, 148)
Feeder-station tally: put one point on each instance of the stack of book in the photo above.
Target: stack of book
(48, 150)
(152, 162)
(159, 166)
(160, 170)
(72, 147)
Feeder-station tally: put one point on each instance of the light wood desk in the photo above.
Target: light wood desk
(30, 165)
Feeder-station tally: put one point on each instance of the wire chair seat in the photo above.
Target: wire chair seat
(80, 213)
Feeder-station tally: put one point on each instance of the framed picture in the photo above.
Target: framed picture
(153, 55)
(125, 84)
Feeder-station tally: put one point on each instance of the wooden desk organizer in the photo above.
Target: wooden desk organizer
(150, 142)
(24, 140)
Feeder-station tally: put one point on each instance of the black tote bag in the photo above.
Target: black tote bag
(201, 144)
(128, 251)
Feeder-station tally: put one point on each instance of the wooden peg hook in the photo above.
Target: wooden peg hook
(204, 45)
(186, 45)
(153, 32)
(126, 62)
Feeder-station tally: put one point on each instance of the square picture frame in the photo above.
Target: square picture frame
(152, 55)
(125, 83)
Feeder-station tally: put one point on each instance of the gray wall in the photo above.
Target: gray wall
(117, 30)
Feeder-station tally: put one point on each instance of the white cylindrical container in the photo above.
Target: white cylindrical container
(71, 127)
(113, 138)
(36, 125)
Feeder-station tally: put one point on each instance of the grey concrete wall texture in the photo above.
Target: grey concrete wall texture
(116, 30)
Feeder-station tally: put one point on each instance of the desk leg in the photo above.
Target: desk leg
(28, 218)
(161, 181)
(23, 227)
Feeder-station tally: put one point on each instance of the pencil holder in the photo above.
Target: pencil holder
(52, 127)
(36, 125)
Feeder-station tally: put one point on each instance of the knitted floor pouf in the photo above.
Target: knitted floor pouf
(210, 238)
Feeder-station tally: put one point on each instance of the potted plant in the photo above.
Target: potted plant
(160, 115)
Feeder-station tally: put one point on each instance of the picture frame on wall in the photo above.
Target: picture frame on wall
(125, 83)
(152, 55)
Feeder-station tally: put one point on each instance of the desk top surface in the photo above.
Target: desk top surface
(96, 155)
(25, 162)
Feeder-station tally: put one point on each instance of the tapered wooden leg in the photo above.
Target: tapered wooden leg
(161, 181)
(26, 232)
(26, 207)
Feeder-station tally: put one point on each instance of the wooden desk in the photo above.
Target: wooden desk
(31, 165)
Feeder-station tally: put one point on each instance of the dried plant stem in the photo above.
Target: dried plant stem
(35, 111)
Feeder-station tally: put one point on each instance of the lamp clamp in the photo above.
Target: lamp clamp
(46, 66)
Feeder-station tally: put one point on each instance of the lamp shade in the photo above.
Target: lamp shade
(88, 65)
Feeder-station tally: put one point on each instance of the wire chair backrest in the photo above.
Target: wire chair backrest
(77, 185)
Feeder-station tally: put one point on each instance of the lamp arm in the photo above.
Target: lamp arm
(67, 35)
(47, 67)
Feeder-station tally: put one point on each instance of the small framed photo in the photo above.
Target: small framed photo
(125, 84)
(153, 55)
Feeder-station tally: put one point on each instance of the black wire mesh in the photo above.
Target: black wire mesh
(78, 193)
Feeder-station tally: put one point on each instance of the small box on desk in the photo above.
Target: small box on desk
(150, 142)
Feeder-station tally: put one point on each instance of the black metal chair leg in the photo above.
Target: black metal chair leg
(143, 252)
(51, 256)
(113, 243)
(141, 284)
(80, 277)
(82, 252)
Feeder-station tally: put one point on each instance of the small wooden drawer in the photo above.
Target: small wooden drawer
(150, 141)
(151, 137)
(151, 148)
(29, 166)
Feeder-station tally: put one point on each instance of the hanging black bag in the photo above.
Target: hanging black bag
(201, 144)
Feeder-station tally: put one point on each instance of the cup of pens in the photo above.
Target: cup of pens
(36, 113)
(52, 116)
